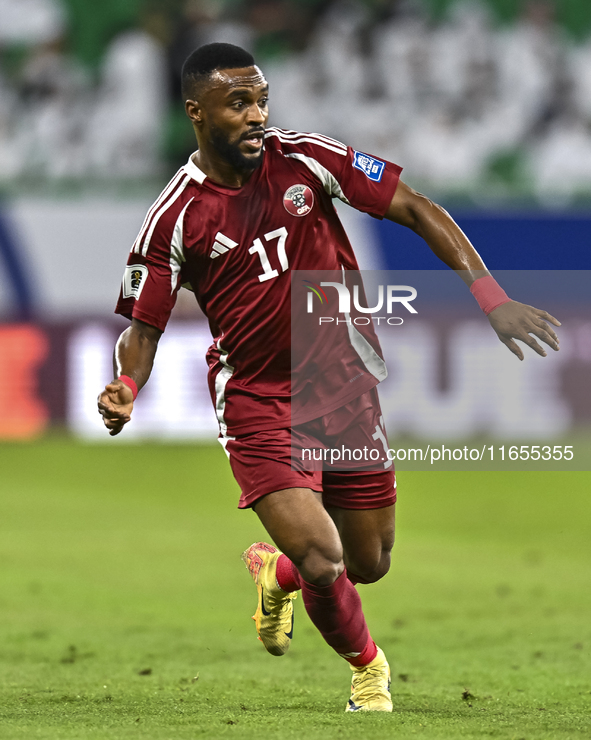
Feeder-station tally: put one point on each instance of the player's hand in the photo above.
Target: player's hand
(115, 404)
(515, 320)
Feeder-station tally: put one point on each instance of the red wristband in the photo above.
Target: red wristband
(488, 293)
(129, 383)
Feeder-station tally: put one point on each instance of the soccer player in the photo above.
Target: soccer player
(250, 205)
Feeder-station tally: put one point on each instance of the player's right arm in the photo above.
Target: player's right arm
(133, 357)
(148, 293)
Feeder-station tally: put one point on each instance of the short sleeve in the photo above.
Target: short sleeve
(152, 276)
(368, 183)
(365, 182)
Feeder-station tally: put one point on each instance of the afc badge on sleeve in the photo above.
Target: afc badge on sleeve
(134, 279)
(372, 167)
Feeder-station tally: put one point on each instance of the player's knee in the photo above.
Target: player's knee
(320, 568)
(369, 569)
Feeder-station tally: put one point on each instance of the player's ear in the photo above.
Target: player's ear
(194, 111)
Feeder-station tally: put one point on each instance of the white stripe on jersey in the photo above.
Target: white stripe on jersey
(295, 134)
(224, 443)
(177, 256)
(178, 192)
(328, 180)
(309, 139)
(221, 381)
(370, 358)
(161, 198)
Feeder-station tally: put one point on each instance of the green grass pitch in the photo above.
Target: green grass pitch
(125, 609)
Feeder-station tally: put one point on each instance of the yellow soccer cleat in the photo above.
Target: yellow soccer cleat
(370, 688)
(274, 614)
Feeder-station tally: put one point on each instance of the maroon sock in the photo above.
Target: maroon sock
(288, 577)
(336, 612)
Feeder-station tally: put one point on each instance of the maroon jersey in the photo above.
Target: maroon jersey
(235, 248)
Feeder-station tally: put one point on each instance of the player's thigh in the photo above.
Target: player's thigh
(362, 505)
(367, 537)
(302, 528)
(286, 497)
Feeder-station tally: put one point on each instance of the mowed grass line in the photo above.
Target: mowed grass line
(124, 607)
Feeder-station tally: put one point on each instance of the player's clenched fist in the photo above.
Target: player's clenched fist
(115, 405)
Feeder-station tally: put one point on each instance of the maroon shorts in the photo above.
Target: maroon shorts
(332, 455)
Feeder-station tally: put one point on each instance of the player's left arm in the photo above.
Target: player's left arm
(511, 320)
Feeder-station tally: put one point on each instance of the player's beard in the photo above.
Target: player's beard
(231, 152)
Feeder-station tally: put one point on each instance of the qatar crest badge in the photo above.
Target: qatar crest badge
(298, 200)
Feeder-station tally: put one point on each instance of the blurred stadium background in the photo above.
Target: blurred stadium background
(487, 105)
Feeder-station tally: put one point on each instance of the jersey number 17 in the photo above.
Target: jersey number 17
(259, 248)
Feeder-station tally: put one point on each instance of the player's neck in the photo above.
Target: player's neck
(221, 171)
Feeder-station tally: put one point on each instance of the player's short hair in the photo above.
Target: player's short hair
(206, 59)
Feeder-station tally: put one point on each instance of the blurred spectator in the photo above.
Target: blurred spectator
(126, 121)
(560, 163)
(530, 58)
(31, 21)
(580, 70)
(53, 92)
(42, 98)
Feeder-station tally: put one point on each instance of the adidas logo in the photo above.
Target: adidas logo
(221, 245)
